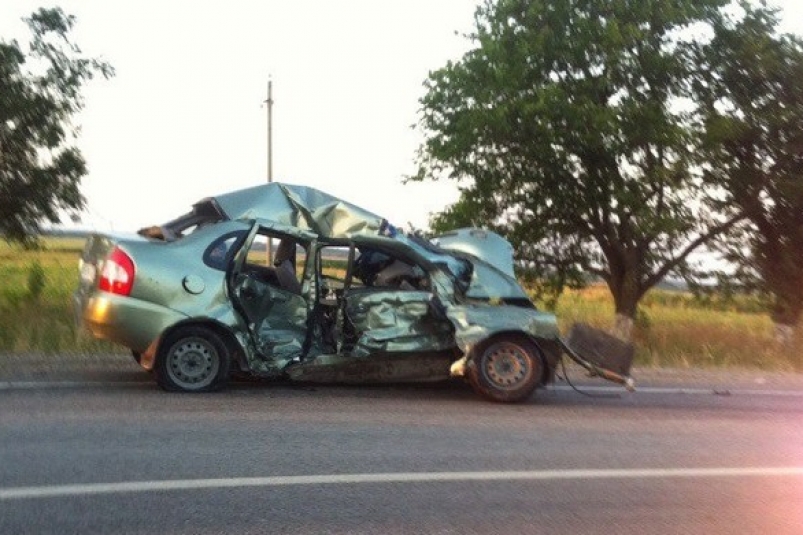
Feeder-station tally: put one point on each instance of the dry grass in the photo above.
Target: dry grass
(35, 299)
(675, 329)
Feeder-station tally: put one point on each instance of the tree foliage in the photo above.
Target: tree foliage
(569, 127)
(40, 92)
(750, 84)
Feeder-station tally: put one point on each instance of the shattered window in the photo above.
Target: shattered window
(460, 268)
(202, 214)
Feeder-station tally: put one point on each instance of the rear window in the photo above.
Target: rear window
(202, 214)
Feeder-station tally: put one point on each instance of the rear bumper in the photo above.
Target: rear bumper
(123, 320)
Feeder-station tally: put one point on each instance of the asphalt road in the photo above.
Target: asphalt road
(110, 453)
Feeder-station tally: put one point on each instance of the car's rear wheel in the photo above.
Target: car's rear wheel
(506, 369)
(192, 359)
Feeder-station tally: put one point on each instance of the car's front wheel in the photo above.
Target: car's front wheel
(192, 359)
(506, 369)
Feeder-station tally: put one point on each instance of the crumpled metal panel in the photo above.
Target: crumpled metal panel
(477, 322)
(483, 244)
(457, 266)
(279, 324)
(396, 321)
(489, 283)
(601, 349)
(281, 332)
(300, 206)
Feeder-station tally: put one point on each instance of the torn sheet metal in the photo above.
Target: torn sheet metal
(278, 323)
(601, 348)
(394, 321)
(300, 206)
(281, 333)
(482, 279)
(477, 322)
(480, 243)
(601, 354)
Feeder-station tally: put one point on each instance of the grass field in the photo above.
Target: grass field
(673, 328)
(35, 306)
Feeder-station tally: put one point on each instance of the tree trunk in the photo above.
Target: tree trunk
(784, 334)
(623, 329)
(786, 314)
(627, 293)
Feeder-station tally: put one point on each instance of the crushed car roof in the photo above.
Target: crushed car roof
(300, 206)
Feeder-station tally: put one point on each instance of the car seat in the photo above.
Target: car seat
(283, 261)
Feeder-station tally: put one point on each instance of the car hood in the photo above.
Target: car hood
(300, 206)
(480, 243)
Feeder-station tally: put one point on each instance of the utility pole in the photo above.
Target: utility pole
(269, 103)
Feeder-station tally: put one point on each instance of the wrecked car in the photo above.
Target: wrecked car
(285, 281)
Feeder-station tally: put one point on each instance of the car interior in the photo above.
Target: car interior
(362, 297)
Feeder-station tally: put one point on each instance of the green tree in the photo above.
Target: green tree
(750, 85)
(567, 128)
(40, 92)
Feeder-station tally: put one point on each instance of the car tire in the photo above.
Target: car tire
(506, 369)
(192, 359)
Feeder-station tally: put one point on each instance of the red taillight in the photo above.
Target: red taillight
(117, 275)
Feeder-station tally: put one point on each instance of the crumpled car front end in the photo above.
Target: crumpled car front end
(423, 313)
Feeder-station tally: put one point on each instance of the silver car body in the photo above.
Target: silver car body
(418, 318)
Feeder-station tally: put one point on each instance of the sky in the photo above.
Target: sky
(184, 117)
